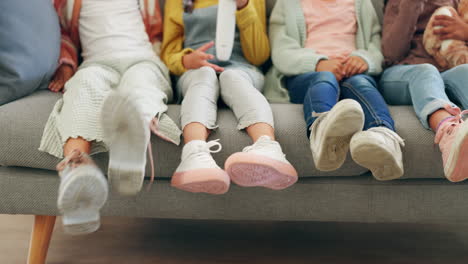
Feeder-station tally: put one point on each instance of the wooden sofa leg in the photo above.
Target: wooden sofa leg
(40, 238)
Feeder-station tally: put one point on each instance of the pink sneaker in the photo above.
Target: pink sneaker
(198, 172)
(452, 137)
(262, 164)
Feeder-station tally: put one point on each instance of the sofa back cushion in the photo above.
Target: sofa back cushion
(29, 47)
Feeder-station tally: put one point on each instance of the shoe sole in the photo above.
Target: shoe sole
(377, 159)
(251, 170)
(125, 129)
(80, 200)
(211, 181)
(348, 121)
(456, 169)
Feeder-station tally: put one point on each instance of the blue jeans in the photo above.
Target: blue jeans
(320, 91)
(422, 86)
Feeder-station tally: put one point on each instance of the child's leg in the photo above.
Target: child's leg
(330, 125)
(377, 148)
(257, 130)
(195, 131)
(142, 94)
(76, 144)
(317, 91)
(456, 80)
(424, 87)
(83, 188)
(419, 85)
(200, 89)
(263, 163)
(198, 172)
(363, 89)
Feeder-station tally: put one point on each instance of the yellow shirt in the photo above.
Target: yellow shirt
(251, 22)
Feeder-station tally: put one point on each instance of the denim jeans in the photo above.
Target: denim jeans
(425, 88)
(320, 91)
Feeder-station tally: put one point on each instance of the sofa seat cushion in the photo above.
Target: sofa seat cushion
(23, 122)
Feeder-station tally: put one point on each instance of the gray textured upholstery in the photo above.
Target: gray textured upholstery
(352, 199)
(24, 121)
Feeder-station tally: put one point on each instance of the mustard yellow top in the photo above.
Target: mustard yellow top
(251, 22)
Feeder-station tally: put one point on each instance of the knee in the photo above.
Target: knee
(325, 77)
(206, 72)
(230, 75)
(460, 69)
(361, 81)
(426, 69)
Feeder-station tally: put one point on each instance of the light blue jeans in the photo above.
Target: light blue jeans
(424, 87)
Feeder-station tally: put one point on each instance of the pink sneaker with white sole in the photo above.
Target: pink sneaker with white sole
(198, 172)
(452, 137)
(262, 164)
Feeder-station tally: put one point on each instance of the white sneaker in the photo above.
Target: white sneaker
(127, 134)
(332, 132)
(378, 149)
(198, 172)
(262, 164)
(82, 193)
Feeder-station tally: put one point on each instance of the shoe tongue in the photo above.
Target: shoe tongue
(195, 146)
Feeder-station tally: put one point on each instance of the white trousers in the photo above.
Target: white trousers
(78, 113)
(239, 87)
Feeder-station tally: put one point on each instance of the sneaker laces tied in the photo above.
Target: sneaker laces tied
(389, 133)
(74, 159)
(202, 155)
(457, 118)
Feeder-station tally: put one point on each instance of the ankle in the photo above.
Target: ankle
(447, 119)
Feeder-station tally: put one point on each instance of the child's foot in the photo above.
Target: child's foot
(332, 132)
(128, 136)
(378, 149)
(452, 137)
(82, 193)
(262, 164)
(198, 172)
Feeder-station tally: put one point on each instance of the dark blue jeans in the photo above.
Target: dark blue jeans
(320, 91)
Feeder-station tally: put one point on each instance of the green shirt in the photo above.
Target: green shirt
(288, 36)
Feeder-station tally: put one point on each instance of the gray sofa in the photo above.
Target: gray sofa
(28, 182)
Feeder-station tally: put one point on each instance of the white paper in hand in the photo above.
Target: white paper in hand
(225, 29)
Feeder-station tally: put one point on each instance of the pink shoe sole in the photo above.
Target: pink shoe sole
(211, 181)
(457, 164)
(250, 170)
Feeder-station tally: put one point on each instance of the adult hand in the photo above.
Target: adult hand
(61, 76)
(451, 27)
(241, 3)
(199, 58)
(333, 66)
(354, 65)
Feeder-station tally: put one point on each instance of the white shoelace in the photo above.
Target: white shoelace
(204, 155)
(389, 133)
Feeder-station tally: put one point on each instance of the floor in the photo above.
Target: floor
(144, 241)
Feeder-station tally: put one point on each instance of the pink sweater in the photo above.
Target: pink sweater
(331, 27)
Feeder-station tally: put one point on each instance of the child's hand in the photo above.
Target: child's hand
(199, 58)
(333, 66)
(61, 76)
(452, 27)
(354, 65)
(241, 3)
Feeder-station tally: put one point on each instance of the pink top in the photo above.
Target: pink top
(331, 27)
